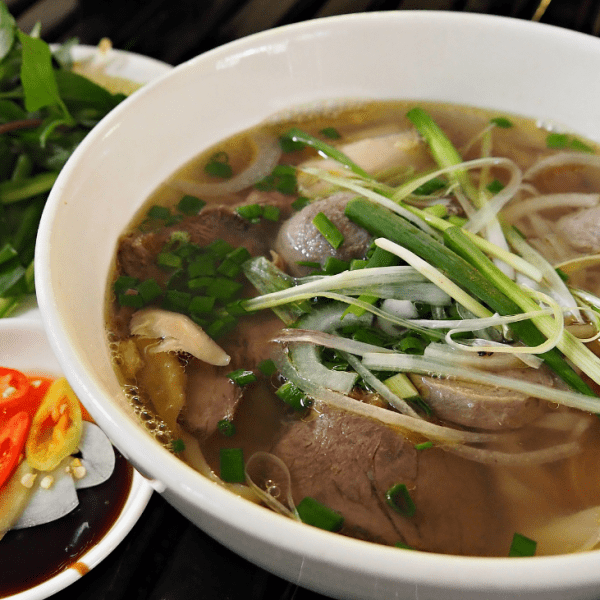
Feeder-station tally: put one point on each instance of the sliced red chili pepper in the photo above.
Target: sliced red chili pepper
(14, 385)
(20, 392)
(13, 435)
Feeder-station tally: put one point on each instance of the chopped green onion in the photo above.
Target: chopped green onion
(411, 344)
(328, 230)
(430, 187)
(437, 210)
(199, 283)
(300, 202)
(158, 212)
(229, 268)
(190, 205)
(226, 427)
(563, 141)
(242, 377)
(250, 211)
(502, 122)
(330, 132)
(177, 446)
(378, 258)
(149, 290)
(218, 166)
(495, 186)
(325, 149)
(398, 497)
(124, 283)
(231, 462)
(219, 248)
(271, 213)
(239, 255)
(131, 300)
(169, 260)
(402, 386)
(176, 301)
(267, 367)
(221, 327)
(237, 308)
(334, 265)
(202, 266)
(424, 445)
(201, 304)
(223, 289)
(293, 396)
(282, 179)
(403, 545)
(522, 546)
(314, 513)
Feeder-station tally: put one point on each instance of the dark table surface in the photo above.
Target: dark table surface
(164, 557)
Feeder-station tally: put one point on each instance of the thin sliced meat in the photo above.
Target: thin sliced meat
(349, 463)
(480, 406)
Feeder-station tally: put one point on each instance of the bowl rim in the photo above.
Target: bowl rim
(324, 547)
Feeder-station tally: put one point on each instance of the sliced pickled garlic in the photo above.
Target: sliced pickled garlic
(45, 505)
(98, 456)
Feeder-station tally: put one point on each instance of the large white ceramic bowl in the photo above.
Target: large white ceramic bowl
(505, 64)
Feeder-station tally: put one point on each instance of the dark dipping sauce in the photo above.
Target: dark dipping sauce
(33, 555)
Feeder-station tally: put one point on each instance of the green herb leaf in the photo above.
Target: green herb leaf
(37, 75)
(7, 30)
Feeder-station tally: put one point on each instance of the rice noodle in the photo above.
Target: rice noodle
(267, 157)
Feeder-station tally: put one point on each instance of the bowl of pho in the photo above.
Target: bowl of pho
(335, 288)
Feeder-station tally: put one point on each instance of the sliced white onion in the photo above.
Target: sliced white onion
(523, 208)
(426, 366)
(530, 457)
(563, 159)
(98, 456)
(320, 394)
(280, 482)
(268, 153)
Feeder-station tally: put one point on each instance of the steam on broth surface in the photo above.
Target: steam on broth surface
(270, 326)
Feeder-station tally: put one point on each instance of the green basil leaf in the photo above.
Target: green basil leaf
(8, 28)
(74, 88)
(37, 75)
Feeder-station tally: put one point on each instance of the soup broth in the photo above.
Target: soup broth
(273, 324)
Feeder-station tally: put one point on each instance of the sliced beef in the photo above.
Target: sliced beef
(348, 463)
(581, 229)
(138, 250)
(248, 344)
(481, 406)
(299, 240)
(211, 395)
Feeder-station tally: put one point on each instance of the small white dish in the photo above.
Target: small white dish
(24, 346)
